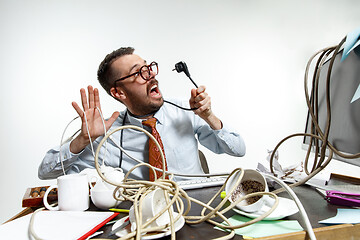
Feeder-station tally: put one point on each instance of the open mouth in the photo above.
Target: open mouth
(154, 91)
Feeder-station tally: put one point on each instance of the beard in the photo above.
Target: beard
(144, 104)
(146, 109)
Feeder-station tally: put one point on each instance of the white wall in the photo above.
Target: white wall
(251, 55)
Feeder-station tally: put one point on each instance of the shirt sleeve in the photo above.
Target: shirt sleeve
(51, 166)
(220, 141)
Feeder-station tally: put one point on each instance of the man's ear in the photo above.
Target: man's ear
(118, 93)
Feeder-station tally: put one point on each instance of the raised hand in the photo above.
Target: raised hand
(91, 119)
(202, 102)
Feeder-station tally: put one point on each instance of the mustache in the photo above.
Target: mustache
(152, 82)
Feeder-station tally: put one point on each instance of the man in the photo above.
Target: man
(128, 79)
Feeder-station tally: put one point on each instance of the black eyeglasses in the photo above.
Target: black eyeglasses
(144, 72)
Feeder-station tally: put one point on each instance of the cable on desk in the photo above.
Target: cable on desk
(302, 211)
(136, 190)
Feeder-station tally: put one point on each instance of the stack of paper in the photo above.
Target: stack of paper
(54, 225)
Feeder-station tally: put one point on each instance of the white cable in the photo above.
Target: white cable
(105, 132)
(129, 186)
(61, 143)
(136, 128)
(214, 211)
(88, 132)
(304, 216)
(302, 211)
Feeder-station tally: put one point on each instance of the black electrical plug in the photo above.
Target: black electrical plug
(181, 67)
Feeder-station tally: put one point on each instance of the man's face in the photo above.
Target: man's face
(140, 96)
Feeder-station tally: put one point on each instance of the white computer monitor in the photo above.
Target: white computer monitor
(345, 109)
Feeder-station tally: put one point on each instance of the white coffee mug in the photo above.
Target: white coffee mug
(73, 193)
(252, 176)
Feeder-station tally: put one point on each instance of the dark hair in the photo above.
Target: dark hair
(104, 74)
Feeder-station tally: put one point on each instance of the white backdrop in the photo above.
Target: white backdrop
(251, 55)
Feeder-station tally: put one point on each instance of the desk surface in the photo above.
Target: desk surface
(315, 205)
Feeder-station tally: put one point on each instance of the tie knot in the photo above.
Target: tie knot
(151, 122)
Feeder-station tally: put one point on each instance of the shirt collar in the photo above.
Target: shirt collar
(159, 115)
(133, 120)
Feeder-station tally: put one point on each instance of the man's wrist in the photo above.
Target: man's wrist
(214, 122)
(78, 144)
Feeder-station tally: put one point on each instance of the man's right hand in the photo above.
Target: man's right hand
(93, 119)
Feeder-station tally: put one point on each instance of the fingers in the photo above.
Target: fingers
(97, 98)
(203, 106)
(200, 89)
(77, 109)
(93, 99)
(84, 99)
(199, 98)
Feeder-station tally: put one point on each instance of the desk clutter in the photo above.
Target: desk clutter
(19, 227)
(33, 196)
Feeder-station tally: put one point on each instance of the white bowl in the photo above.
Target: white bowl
(103, 198)
(249, 175)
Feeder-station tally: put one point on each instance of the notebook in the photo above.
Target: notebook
(54, 225)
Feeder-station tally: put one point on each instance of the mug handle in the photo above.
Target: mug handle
(46, 204)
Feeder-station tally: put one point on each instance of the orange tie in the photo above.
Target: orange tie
(154, 154)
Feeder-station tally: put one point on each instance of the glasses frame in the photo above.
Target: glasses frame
(148, 67)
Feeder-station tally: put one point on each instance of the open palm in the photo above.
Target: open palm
(91, 119)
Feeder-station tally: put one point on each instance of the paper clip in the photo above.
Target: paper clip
(344, 199)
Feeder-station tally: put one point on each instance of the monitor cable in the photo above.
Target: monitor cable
(319, 139)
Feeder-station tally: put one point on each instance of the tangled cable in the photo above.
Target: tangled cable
(319, 138)
(136, 190)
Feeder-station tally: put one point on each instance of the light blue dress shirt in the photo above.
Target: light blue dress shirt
(180, 132)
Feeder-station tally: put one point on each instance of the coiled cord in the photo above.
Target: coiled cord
(318, 138)
(136, 190)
